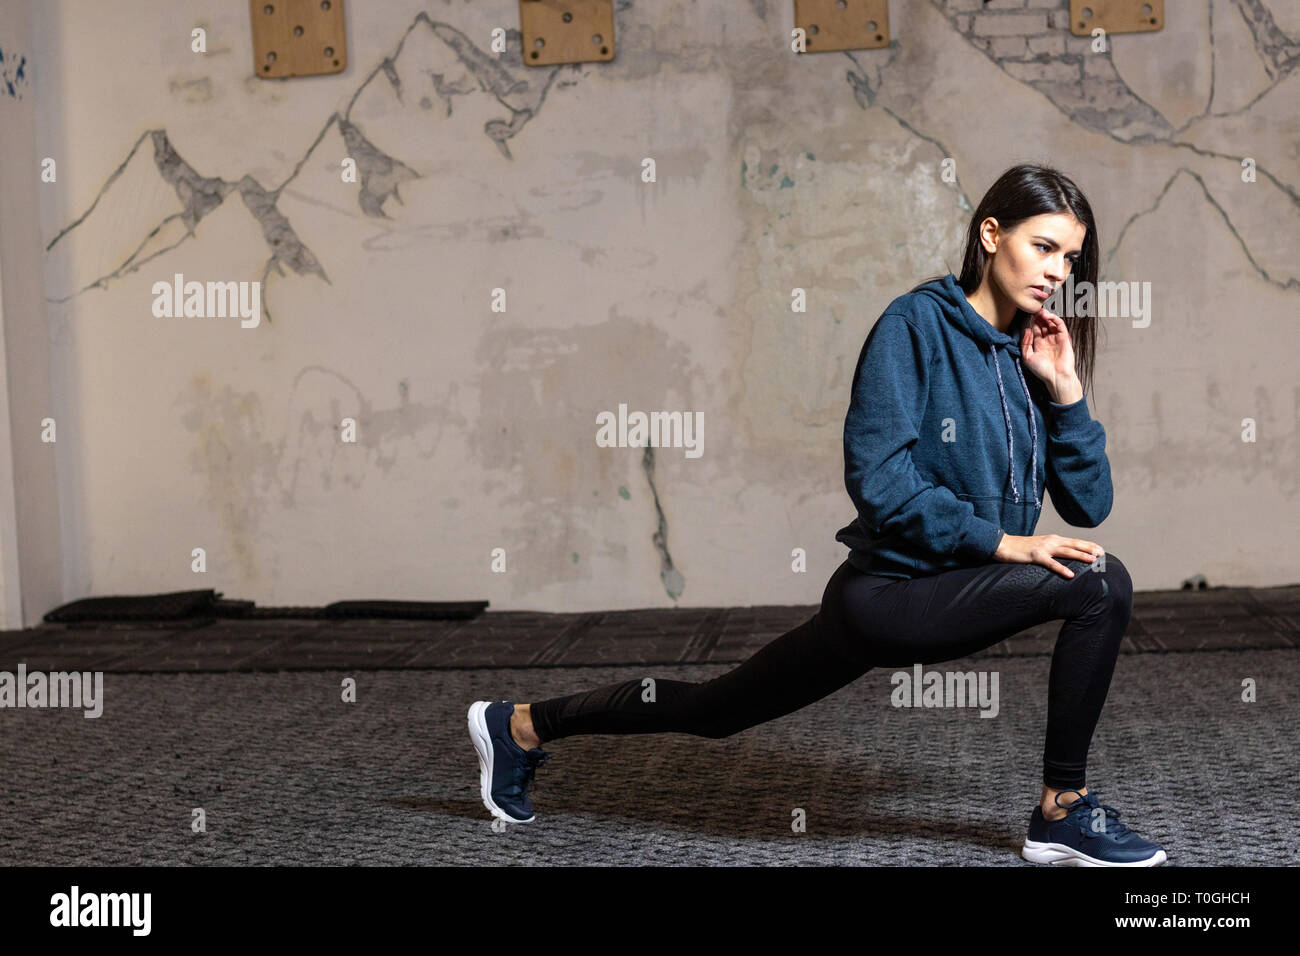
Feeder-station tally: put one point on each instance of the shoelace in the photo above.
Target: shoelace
(534, 760)
(1084, 820)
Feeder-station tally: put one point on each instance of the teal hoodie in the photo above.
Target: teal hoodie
(949, 443)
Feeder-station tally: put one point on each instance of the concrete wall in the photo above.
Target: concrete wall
(476, 428)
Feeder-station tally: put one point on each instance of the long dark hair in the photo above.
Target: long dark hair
(1021, 193)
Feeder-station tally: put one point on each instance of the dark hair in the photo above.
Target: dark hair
(1021, 193)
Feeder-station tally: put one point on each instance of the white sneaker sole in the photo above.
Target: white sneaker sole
(1058, 854)
(478, 734)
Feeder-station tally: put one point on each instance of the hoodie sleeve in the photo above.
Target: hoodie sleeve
(890, 390)
(1078, 471)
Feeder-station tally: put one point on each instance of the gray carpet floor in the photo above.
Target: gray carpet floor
(286, 773)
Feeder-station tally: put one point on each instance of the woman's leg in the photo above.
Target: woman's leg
(794, 670)
(949, 615)
(868, 621)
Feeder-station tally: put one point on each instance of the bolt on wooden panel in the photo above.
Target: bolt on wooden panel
(566, 31)
(297, 37)
(1116, 16)
(842, 24)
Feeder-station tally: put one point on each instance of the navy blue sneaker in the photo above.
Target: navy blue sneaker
(1089, 834)
(505, 768)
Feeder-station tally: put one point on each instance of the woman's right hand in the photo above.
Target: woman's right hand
(1042, 548)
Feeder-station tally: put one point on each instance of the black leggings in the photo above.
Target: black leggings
(870, 621)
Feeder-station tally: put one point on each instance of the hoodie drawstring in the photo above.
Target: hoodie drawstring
(1033, 428)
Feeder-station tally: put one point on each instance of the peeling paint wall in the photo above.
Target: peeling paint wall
(476, 429)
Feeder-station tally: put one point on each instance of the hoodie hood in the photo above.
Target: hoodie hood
(958, 311)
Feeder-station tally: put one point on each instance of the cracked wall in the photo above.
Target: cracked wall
(476, 429)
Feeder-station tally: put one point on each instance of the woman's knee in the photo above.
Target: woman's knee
(1108, 580)
(1115, 574)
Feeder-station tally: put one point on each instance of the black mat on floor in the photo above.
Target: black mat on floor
(137, 607)
(209, 605)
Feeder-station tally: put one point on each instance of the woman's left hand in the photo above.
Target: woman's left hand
(1046, 349)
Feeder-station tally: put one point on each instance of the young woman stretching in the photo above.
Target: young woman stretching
(948, 448)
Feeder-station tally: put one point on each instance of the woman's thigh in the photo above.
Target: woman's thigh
(888, 622)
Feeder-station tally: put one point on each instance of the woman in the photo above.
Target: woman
(942, 445)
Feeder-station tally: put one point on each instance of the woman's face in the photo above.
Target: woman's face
(1039, 252)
